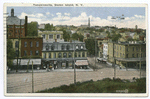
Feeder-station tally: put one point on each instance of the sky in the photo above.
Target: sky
(99, 16)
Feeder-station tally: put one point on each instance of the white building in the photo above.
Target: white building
(105, 50)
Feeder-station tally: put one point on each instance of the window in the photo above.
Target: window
(30, 52)
(127, 49)
(63, 47)
(77, 47)
(79, 54)
(81, 46)
(16, 31)
(58, 36)
(44, 55)
(120, 47)
(47, 47)
(54, 55)
(83, 54)
(137, 55)
(52, 47)
(120, 54)
(141, 55)
(37, 52)
(37, 44)
(76, 54)
(59, 55)
(70, 55)
(25, 44)
(137, 48)
(132, 55)
(25, 53)
(16, 44)
(133, 48)
(50, 36)
(65, 55)
(68, 47)
(126, 55)
(43, 36)
(31, 44)
(49, 55)
(21, 31)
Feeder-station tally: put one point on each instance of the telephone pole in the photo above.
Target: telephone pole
(74, 67)
(32, 79)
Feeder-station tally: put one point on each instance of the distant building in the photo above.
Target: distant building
(127, 54)
(61, 54)
(41, 26)
(105, 50)
(51, 36)
(16, 27)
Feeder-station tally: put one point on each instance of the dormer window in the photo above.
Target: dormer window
(52, 47)
(77, 47)
(63, 47)
(82, 47)
(47, 47)
(68, 47)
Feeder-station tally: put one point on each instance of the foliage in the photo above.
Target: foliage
(32, 29)
(66, 35)
(90, 46)
(10, 53)
(101, 86)
(77, 36)
(49, 27)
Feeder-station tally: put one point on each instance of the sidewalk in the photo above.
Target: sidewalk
(44, 70)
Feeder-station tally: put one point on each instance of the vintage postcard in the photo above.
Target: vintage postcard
(75, 49)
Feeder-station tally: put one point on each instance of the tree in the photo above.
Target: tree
(90, 46)
(10, 53)
(77, 36)
(49, 27)
(115, 37)
(66, 35)
(32, 29)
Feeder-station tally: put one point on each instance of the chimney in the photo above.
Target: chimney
(55, 40)
(12, 12)
(26, 23)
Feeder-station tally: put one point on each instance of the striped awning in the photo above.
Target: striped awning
(81, 62)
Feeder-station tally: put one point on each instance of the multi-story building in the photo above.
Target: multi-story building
(16, 27)
(51, 35)
(62, 54)
(127, 54)
(30, 49)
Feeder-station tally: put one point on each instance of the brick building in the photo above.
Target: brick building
(16, 27)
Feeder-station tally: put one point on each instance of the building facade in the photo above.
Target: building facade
(50, 36)
(62, 54)
(127, 54)
(16, 27)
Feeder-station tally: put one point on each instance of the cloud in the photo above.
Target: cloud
(82, 19)
(47, 13)
(67, 14)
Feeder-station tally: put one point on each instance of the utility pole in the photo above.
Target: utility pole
(140, 60)
(95, 51)
(74, 67)
(32, 79)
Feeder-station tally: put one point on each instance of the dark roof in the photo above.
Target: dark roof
(11, 20)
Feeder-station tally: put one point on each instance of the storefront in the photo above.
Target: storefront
(23, 63)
